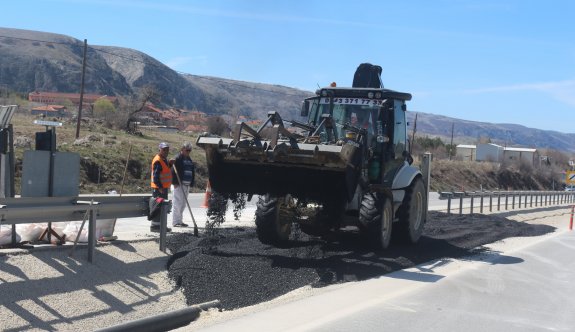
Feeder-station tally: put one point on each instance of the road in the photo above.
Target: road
(525, 289)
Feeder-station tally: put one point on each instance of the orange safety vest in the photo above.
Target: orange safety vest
(165, 176)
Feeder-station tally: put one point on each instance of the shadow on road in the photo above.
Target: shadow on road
(235, 268)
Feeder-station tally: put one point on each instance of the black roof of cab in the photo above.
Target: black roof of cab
(362, 93)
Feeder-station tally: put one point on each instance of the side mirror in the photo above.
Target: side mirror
(407, 157)
(305, 108)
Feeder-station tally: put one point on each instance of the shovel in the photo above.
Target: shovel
(187, 202)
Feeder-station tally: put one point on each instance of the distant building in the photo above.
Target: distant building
(465, 152)
(55, 111)
(489, 152)
(520, 154)
(62, 98)
(495, 153)
(150, 111)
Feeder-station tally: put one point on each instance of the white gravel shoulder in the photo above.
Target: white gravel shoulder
(45, 289)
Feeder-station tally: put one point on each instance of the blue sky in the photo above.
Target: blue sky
(499, 61)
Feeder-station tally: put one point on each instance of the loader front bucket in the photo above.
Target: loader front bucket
(306, 171)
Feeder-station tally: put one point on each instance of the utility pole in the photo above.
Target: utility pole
(413, 134)
(81, 89)
(451, 144)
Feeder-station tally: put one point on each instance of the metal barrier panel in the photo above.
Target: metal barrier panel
(66, 174)
(36, 174)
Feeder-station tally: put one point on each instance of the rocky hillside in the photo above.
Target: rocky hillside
(43, 61)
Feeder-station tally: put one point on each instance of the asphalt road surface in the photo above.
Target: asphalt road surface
(530, 289)
(235, 268)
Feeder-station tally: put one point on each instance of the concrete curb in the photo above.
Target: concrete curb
(164, 322)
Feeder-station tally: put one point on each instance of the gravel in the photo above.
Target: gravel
(44, 289)
(235, 268)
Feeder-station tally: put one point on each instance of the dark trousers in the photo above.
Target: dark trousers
(155, 222)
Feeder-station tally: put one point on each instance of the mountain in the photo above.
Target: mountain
(40, 61)
(504, 134)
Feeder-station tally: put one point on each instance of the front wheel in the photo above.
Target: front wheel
(412, 213)
(376, 216)
(274, 217)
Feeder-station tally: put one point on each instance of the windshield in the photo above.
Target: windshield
(358, 112)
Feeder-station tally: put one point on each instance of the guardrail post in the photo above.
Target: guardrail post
(426, 172)
(498, 200)
(506, 199)
(481, 203)
(571, 219)
(531, 199)
(13, 235)
(520, 197)
(490, 201)
(164, 224)
(449, 195)
(91, 234)
(472, 195)
(513, 201)
(460, 195)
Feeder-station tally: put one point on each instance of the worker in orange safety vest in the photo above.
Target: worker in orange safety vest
(161, 179)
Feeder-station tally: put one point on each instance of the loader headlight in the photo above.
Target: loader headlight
(378, 95)
(370, 95)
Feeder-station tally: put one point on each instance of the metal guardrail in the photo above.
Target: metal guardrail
(25, 210)
(503, 199)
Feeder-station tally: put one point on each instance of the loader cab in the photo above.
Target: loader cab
(346, 107)
(380, 112)
(394, 154)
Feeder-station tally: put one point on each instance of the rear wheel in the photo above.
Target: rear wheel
(274, 217)
(412, 213)
(375, 214)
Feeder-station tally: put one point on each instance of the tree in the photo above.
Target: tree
(103, 107)
(104, 110)
(136, 104)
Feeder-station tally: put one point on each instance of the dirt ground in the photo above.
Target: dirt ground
(235, 268)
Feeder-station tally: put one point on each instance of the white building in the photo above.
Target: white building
(495, 153)
(489, 152)
(520, 154)
(465, 152)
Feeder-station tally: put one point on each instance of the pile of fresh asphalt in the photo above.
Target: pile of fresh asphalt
(234, 267)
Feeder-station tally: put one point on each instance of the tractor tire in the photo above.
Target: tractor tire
(376, 214)
(412, 213)
(273, 220)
